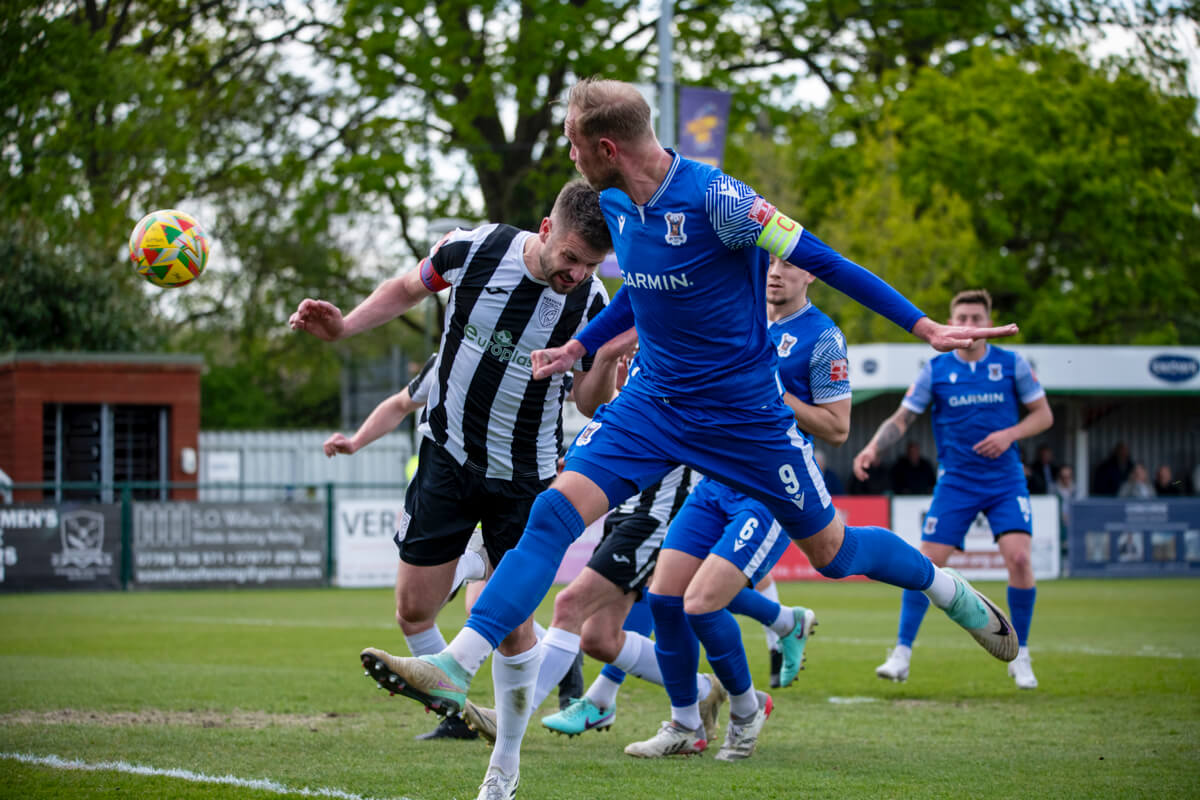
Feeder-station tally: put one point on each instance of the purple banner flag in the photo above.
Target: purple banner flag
(703, 121)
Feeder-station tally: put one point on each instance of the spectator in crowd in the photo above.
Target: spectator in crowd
(1137, 484)
(912, 473)
(1166, 484)
(1067, 491)
(1113, 471)
(832, 482)
(1043, 471)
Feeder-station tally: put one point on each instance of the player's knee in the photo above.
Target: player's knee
(600, 645)
(568, 610)
(414, 610)
(701, 600)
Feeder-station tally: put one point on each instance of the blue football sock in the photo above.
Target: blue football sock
(755, 605)
(882, 556)
(613, 674)
(523, 576)
(676, 647)
(912, 610)
(1020, 608)
(718, 631)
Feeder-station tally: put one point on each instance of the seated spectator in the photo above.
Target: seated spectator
(1138, 484)
(1166, 484)
(912, 473)
(1113, 471)
(832, 482)
(1042, 471)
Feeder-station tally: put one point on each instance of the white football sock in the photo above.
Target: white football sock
(745, 704)
(469, 649)
(941, 591)
(559, 648)
(426, 642)
(772, 594)
(784, 623)
(603, 691)
(637, 658)
(514, 678)
(687, 716)
(703, 686)
(538, 630)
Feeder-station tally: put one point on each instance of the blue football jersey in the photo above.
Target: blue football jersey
(697, 290)
(971, 400)
(812, 356)
(695, 278)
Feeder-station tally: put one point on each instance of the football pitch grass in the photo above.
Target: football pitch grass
(259, 694)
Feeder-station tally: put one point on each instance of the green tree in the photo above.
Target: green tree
(1082, 183)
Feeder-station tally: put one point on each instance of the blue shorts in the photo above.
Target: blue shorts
(954, 508)
(716, 520)
(635, 440)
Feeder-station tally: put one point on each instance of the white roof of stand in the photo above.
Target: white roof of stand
(1062, 369)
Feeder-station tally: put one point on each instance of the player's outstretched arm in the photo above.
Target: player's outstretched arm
(890, 432)
(945, 338)
(389, 300)
(383, 418)
(318, 317)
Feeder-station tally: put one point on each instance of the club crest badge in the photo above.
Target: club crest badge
(82, 534)
(548, 311)
(675, 235)
(995, 372)
(786, 342)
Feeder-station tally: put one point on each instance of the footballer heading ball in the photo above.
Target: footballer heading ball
(168, 248)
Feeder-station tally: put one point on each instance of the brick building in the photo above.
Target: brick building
(99, 418)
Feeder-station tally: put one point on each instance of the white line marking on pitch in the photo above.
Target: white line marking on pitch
(1146, 650)
(265, 784)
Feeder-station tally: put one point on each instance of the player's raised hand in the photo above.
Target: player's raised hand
(945, 338)
(338, 443)
(318, 317)
(866, 458)
(556, 359)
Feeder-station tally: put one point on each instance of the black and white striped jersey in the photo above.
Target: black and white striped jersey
(663, 500)
(485, 408)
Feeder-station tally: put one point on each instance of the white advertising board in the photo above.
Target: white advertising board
(364, 552)
(980, 558)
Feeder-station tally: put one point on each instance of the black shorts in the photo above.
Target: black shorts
(446, 501)
(628, 551)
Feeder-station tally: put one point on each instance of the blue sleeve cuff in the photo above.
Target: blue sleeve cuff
(853, 281)
(616, 318)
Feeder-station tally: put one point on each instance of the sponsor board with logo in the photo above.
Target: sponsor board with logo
(980, 558)
(364, 553)
(1126, 538)
(193, 545)
(60, 546)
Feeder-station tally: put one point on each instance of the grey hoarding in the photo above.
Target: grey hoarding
(192, 545)
(63, 546)
(1135, 538)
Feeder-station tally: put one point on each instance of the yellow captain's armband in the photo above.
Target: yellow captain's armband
(780, 232)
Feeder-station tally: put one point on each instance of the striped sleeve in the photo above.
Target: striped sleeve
(829, 368)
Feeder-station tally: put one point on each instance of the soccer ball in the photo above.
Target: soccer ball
(168, 248)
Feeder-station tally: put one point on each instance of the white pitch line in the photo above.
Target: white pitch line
(1036, 645)
(264, 784)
